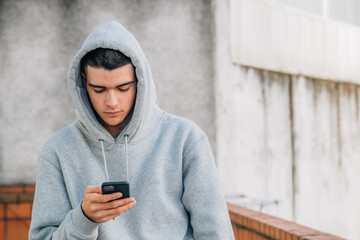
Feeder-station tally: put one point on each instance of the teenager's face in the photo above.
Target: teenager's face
(112, 94)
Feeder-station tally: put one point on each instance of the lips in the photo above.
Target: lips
(114, 113)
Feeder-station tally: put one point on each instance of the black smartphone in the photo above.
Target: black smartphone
(111, 187)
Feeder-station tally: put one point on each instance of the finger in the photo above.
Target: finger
(118, 203)
(93, 189)
(113, 213)
(120, 210)
(108, 197)
(97, 207)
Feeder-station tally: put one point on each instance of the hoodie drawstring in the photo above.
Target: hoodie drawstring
(126, 158)
(104, 157)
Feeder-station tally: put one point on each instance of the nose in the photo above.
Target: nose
(111, 99)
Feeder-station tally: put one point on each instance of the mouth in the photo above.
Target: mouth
(112, 113)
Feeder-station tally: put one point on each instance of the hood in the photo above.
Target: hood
(146, 112)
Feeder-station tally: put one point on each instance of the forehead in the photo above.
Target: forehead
(106, 77)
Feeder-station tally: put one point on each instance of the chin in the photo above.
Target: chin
(114, 122)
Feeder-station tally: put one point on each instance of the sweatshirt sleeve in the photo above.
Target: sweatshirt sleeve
(203, 197)
(53, 216)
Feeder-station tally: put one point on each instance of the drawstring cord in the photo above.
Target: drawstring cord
(104, 157)
(126, 158)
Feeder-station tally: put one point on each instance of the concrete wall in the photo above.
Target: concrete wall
(277, 38)
(38, 40)
(287, 138)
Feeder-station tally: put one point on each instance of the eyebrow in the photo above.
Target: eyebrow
(121, 85)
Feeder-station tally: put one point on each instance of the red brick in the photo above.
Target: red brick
(251, 235)
(26, 197)
(29, 189)
(235, 231)
(271, 227)
(242, 221)
(277, 233)
(248, 223)
(240, 233)
(263, 238)
(18, 210)
(262, 228)
(282, 235)
(8, 197)
(2, 211)
(245, 221)
(289, 236)
(256, 226)
(254, 235)
(18, 229)
(2, 229)
(293, 237)
(267, 230)
(11, 189)
(247, 235)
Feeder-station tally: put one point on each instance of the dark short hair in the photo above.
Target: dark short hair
(106, 58)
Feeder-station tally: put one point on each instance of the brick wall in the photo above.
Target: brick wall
(251, 225)
(15, 211)
(16, 205)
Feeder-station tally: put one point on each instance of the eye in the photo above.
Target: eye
(98, 91)
(123, 89)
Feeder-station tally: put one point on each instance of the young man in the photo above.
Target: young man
(121, 134)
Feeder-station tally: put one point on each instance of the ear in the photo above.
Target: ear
(83, 77)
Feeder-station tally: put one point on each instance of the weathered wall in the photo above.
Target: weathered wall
(287, 138)
(38, 39)
(278, 137)
(326, 137)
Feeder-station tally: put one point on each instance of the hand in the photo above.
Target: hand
(98, 208)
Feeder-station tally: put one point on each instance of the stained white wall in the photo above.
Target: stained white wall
(279, 38)
(339, 10)
(285, 136)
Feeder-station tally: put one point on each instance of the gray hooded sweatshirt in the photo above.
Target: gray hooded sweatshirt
(171, 169)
